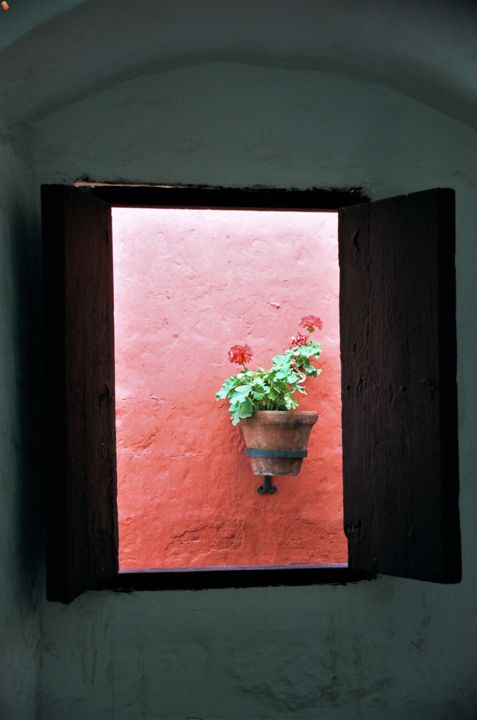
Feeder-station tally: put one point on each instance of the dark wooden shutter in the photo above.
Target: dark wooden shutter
(79, 399)
(398, 347)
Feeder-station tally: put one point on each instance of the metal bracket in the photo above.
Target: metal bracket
(258, 452)
(268, 487)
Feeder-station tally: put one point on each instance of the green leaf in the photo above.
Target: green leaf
(246, 409)
(243, 389)
(258, 395)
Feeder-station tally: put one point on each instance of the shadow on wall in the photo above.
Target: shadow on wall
(30, 413)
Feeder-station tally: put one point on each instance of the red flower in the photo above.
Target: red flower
(299, 339)
(240, 354)
(310, 322)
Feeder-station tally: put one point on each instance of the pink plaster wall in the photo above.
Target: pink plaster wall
(188, 284)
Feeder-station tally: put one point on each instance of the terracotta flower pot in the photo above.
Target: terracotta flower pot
(284, 435)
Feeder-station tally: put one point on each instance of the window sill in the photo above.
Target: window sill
(236, 577)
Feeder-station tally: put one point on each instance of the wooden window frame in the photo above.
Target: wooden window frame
(75, 538)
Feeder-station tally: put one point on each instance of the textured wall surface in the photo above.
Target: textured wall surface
(188, 285)
(389, 649)
(20, 476)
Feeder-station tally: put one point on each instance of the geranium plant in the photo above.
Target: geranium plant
(250, 390)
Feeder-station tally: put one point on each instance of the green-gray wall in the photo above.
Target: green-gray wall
(20, 473)
(386, 649)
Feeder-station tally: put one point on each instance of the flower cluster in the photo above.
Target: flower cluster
(273, 389)
(240, 354)
(310, 322)
(299, 339)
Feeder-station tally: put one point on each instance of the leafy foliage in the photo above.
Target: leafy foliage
(273, 389)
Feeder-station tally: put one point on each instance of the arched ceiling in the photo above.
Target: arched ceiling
(53, 52)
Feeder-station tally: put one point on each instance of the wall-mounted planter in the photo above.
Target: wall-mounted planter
(276, 440)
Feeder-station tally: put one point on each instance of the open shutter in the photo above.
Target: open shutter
(79, 410)
(398, 348)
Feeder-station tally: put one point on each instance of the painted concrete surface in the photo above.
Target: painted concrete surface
(386, 650)
(427, 52)
(21, 556)
(188, 285)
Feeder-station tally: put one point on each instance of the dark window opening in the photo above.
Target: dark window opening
(399, 406)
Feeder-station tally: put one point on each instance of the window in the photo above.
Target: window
(398, 356)
(188, 283)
